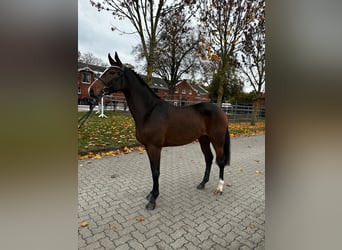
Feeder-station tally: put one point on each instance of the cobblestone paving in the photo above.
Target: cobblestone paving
(112, 193)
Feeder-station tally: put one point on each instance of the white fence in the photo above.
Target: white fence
(235, 113)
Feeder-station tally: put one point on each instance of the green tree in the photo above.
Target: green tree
(244, 98)
(232, 87)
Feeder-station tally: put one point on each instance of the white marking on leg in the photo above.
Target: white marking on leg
(220, 186)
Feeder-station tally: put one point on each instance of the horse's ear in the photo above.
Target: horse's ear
(117, 59)
(112, 62)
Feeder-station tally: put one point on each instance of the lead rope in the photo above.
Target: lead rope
(82, 120)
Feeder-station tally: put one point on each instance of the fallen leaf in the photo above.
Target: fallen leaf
(84, 223)
(114, 228)
(257, 161)
(251, 226)
(140, 218)
(258, 172)
(240, 169)
(126, 150)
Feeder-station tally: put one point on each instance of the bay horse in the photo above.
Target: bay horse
(160, 124)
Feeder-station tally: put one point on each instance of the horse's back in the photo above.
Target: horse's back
(171, 126)
(209, 110)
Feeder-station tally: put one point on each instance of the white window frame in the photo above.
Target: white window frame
(88, 77)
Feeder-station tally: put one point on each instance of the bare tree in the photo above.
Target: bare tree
(176, 46)
(253, 57)
(222, 25)
(145, 16)
(89, 58)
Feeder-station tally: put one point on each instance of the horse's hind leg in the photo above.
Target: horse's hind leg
(221, 162)
(219, 188)
(222, 148)
(208, 155)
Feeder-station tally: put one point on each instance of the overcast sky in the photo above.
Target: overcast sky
(95, 34)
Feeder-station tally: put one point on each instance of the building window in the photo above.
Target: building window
(176, 91)
(190, 92)
(79, 90)
(184, 91)
(86, 77)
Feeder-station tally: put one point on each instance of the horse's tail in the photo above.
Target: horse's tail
(226, 148)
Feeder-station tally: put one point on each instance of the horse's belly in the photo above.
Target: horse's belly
(177, 142)
(180, 138)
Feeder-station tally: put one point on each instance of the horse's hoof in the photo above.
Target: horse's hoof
(200, 186)
(150, 206)
(218, 192)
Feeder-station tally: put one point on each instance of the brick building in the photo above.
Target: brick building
(190, 93)
(85, 77)
(184, 92)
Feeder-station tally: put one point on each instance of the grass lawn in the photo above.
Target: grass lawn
(118, 131)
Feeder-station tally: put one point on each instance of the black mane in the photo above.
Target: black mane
(143, 82)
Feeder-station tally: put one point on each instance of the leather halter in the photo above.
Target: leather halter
(109, 84)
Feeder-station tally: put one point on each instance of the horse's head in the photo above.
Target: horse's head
(111, 80)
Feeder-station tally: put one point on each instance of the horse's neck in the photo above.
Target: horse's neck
(140, 100)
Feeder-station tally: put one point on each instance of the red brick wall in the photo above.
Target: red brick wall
(190, 94)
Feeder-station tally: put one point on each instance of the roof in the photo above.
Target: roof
(157, 83)
(200, 90)
(85, 69)
(195, 87)
(94, 68)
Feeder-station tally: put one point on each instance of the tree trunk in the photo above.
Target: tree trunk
(149, 74)
(221, 79)
(256, 105)
(220, 92)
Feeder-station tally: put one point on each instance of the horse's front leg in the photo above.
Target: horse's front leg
(154, 157)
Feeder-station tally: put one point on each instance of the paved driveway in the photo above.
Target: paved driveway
(112, 193)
